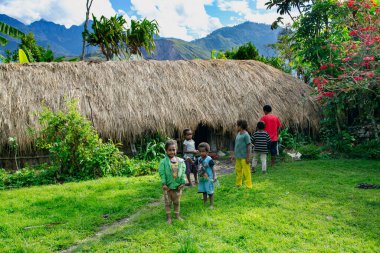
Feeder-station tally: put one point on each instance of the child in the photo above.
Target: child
(189, 151)
(241, 154)
(272, 125)
(207, 176)
(261, 140)
(172, 173)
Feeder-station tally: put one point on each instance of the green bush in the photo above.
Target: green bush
(286, 139)
(152, 147)
(38, 175)
(367, 150)
(310, 151)
(74, 145)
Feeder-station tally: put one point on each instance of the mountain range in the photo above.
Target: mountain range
(68, 41)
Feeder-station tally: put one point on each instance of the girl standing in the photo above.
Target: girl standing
(172, 173)
(207, 176)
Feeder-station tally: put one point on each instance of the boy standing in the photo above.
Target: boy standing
(260, 140)
(241, 154)
(272, 125)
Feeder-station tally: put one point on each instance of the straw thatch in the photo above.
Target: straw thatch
(125, 99)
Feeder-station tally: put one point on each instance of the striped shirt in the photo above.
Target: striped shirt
(260, 140)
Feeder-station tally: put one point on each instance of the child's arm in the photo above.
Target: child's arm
(253, 138)
(248, 142)
(161, 172)
(212, 165)
(182, 169)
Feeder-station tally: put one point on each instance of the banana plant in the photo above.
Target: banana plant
(10, 31)
(22, 56)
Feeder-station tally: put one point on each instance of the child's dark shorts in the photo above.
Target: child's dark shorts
(273, 148)
(190, 167)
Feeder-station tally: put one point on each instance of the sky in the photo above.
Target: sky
(183, 19)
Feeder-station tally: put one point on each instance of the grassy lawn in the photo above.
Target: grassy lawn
(309, 206)
(64, 214)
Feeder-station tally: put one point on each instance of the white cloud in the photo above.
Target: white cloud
(260, 4)
(65, 12)
(242, 8)
(182, 19)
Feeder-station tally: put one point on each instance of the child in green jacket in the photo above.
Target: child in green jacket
(172, 172)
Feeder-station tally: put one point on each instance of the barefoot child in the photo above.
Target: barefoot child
(172, 173)
(261, 141)
(206, 171)
(188, 154)
(241, 155)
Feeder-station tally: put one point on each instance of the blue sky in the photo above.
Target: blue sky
(184, 19)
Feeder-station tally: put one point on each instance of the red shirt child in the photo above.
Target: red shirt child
(272, 124)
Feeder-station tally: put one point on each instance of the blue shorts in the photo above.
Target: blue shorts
(273, 147)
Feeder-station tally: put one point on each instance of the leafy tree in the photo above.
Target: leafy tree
(285, 7)
(249, 52)
(34, 52)
(245, 52)
(142, 34)
(110, 35)
(8, 30)
(347, 77)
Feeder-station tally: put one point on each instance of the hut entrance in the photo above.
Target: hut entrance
(202, 134)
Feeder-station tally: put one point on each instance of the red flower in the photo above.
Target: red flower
(323, 67)
(370, 74)
(353, 33)
(369, 58)
(342, 68)
(347, 59)
(328, 94)
(316, 81)
(331, 65)
(358, 78)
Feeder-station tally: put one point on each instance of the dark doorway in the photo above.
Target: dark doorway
(202, 134)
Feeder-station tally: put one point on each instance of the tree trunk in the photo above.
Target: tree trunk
(88, 7)
(290, 15)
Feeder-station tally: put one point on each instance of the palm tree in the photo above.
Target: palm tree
(10, 31)
(141, 34)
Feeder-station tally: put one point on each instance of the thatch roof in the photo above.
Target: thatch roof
(128, 98)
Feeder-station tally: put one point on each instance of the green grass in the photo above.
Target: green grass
(308, 206)
(74, 210)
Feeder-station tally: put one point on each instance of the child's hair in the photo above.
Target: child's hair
(260, 125)
(185, 131)
(242, 123)
(267, 108)
(204, 145)
(169, 143)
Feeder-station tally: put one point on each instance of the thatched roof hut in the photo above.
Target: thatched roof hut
(126, 99)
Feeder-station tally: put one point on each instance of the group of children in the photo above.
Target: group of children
(174, 170)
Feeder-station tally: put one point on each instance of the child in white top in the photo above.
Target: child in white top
(189, 153)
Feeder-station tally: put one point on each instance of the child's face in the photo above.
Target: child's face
(203, 152)
(171, 151)
(189, 135)
(238, 128)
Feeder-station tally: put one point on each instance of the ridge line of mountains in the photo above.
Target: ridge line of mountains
(68, 41)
